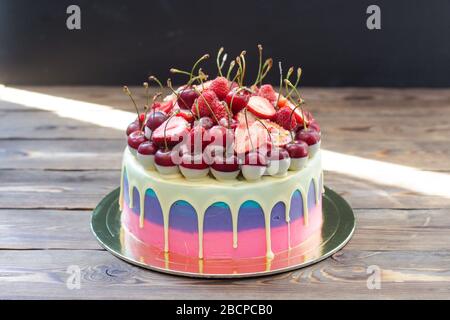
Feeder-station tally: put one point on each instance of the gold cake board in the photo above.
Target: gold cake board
(337, 229)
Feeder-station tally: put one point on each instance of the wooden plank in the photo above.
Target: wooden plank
(404, 274)
(380, 229)
(74, 190)
(46, 229)
(37, 124)
(62, 154)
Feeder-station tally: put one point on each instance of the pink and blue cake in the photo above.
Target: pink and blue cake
(218, 170)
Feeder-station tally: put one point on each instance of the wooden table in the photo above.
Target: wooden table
(53, 171)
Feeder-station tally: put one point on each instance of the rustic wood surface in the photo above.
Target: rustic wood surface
(53, 171)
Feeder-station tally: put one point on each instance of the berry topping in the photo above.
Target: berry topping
(164, 158)
(237, 100)
(171, 131)
(155, 119)
(205, 104)
(187, 96)
(309, 136)
(147, 148)
(297, 149)
(286, 119)
(255, 158)
(225, 164)
(165, 106)
(221, 87)
(186, 114)
(132, 127)
(136, 138)
(267, 91)
(261, 107)
(193, 161)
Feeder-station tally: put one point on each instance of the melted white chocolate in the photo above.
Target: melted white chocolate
(203, 193)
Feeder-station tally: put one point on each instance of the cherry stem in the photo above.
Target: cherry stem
(266, 68)
(267, 129)
(288, 76)
(248, 129)
(204, 57)
(260, 50)
(299, 74)
(219, 66)
(280, 68)
(174, 70)
(300, 100)
(234, 94)
(242, 55)
(128, 93)
(232, 64)
(155, 97)
(165, 130)
(169, 85)
(153, 78)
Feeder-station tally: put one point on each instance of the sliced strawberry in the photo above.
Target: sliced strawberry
(172, 131)
(165, 106)
(257, 133)
(261, 107)
(297, 112)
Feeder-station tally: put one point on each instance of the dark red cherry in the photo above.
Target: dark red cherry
(187, 97)
(155, 119)
(308, 135)
(220, 136)
(277, 154)
(136, 138)
(193, 161)
(147, 148)
(237, 101)
(297, 149)
(314, 126)
(255, 158)
(225, 164)
(164, 158)
(134, 126)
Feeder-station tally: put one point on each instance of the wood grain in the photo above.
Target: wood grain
(53, 171)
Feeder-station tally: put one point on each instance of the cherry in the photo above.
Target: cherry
(163, 157)
(314, 126)
(155, 119)
(197, 139)
(225, 164)
(277, 154)
(187, 97)
(220, 136)
(308, 135)
(147, 148)
(297, 149)
(193, 161)
(134, 126)
(135, 139)
(255, 158)
(237, 100)
(205, 122)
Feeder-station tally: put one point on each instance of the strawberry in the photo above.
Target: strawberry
(165, 106)
(267, 91)
(257, 133)
(261, 107)
(220, 86)
(283, 118)
(172, 131)
(186, 114)
(204, 103)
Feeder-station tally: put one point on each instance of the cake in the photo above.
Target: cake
(219, 170)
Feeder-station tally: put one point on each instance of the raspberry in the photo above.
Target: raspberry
(208, 99)
(267, 91)
(284, 119)
(220, 111)
(220, 86)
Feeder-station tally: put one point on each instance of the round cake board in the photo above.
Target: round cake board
(337, 229)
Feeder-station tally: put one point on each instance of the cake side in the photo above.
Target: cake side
(215, 220)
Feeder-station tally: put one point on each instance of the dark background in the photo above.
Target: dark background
(124, 41)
